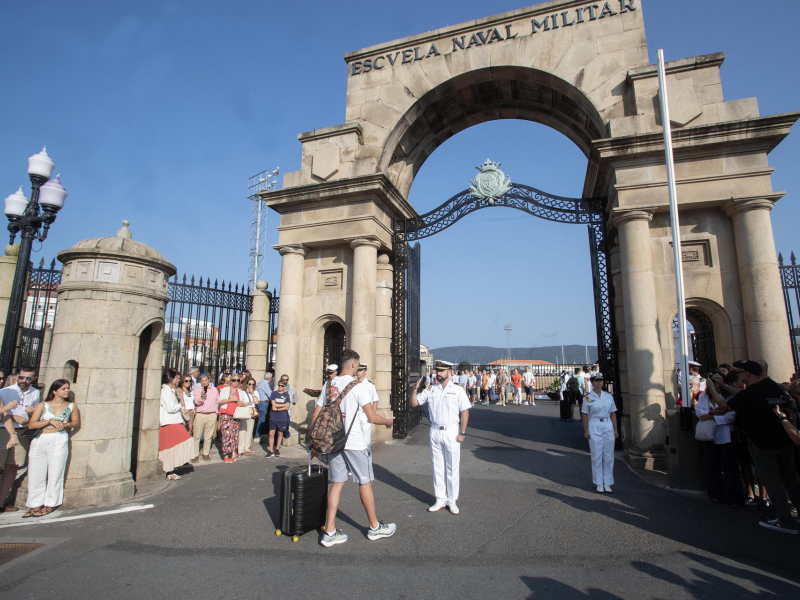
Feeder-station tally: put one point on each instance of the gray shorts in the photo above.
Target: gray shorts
(359, 462)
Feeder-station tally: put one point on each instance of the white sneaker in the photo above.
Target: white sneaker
(383, 530)
(331, 539)
(607, 488)
(437, 506)
(600, 489)
(524, 404)
(453, 508)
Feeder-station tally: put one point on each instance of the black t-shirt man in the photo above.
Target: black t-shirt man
(757, 418)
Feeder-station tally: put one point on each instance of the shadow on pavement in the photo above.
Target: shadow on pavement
(545, 587)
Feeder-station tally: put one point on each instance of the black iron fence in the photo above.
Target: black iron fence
(790, 281)
(41, 300)
(206, 326)
(274, 305)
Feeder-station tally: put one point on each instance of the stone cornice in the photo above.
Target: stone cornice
(686, 180)
(336, 130)
(71, 254)
(619, 216)
(376, 187)
(453, 30)
(759, 134)
(371, 218)
(98, 286)
(291, 249)
(677, 66)
(739, 205)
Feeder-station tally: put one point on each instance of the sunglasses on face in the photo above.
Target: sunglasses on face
(235, 380)
(21, 378)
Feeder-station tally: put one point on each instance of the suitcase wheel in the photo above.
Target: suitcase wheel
(277, 532)
(295, 538)
(323, 528)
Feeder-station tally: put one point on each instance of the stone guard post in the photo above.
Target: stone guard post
(107, 341)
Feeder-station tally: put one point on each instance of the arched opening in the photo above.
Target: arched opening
(71, 371)
(145, 339)
(700, 334)
(502, 92)
(335, 341)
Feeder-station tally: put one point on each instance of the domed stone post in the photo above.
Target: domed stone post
(258, 331)
(108, 342)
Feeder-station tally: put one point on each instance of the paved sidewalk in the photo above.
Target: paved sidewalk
(531, 525)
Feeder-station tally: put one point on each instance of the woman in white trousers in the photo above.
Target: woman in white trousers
(600, 428)
(47, 457)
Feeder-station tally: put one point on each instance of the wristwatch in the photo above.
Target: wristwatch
(464, 433)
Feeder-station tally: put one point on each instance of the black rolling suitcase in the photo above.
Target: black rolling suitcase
(565, 407)
(304, 500)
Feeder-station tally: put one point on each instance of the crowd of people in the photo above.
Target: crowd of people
(237, 412)
(484, 386)
(746, 426)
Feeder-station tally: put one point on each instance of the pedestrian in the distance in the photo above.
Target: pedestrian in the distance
(600, 428)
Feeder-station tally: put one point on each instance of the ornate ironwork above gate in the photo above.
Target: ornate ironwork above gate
(579, 211)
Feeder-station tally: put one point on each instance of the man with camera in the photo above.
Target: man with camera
(770, 446)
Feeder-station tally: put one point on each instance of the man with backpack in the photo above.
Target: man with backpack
(575, 389)
(346, 395)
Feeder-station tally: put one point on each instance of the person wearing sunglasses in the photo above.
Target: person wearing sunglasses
(278, 418)
(229, 398)
(187, 383)
(17, 402)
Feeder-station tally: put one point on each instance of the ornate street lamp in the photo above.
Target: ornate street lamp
(24, 216)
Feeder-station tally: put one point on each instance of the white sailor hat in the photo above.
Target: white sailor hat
(693, 363)
(332, 368)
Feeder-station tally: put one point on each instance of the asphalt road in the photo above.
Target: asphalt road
(531, 526)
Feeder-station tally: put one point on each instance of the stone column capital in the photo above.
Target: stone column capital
(620, 216)
(364, 241)
(739, 205)
(291, 249)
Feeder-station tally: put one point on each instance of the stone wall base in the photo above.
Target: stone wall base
(651, 461)
(98, 491)
(149, 470)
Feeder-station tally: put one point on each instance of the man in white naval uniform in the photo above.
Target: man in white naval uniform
(330, 373)
(447, 404)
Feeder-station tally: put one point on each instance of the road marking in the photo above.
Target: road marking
(77, 517)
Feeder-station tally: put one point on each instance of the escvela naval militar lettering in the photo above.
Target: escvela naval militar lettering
(567, 18)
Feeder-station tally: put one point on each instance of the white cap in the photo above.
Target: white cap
(362, 366)
(331, 368)
(693, 363)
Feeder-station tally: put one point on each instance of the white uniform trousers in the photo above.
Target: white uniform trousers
(601, 444)
(47, 460)
(446, 456)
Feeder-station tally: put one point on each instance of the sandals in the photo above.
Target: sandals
(34, 512)
(47, 510)
(173, 477)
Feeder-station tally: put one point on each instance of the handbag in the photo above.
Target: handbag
(31, 434)
(243, 412)
(706, 431)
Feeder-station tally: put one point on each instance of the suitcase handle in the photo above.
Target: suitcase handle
(311, 453)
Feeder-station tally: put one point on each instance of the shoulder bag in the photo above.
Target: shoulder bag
(243, 412)
(706, 431)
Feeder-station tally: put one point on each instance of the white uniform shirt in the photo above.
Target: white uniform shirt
(28, 399)
(445, 404)
(352, 405)
(599, 407)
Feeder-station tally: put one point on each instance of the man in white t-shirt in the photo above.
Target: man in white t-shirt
(528, 381)
(362, 378)
(356, 456)
(449, 413)
(492, 380)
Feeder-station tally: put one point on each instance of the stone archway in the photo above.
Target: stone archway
(584, 71)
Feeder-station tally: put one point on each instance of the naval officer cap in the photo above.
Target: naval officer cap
(442, 365)
(362, 366)
(694, 363)
(332, 368)
(597, 377)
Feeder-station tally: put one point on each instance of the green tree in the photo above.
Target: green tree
(464, 365)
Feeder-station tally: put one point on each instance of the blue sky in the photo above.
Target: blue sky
(158, 112)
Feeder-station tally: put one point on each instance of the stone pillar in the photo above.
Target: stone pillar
(645, 399)
(290, 315)
(258, 331)
(8, 266)
(107, 341)
(762, 294)
(382, 372)
(362, 318)
(622, 359)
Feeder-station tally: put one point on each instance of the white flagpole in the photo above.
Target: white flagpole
(676, 232)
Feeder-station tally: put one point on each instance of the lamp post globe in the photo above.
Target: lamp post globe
(25, 217)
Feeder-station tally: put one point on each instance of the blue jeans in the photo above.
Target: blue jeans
(262, 426)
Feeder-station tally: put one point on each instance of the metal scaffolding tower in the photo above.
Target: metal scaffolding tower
(507, 327)
(263, 182)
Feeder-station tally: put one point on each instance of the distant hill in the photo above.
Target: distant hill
(487, 354)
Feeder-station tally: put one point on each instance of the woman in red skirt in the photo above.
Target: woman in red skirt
(174, 442)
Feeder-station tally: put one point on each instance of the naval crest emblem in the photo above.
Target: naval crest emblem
(490, 183)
